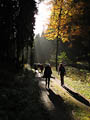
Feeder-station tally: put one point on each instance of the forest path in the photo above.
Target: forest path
(23, 96)
(58, 100)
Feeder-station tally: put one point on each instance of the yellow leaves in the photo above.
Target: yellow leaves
(76, 30)
(59, 23)
(65, 11)
(70, 14)
(50, 36)
(65, 39)
(77, 9)
(63, 21)
(56, 7)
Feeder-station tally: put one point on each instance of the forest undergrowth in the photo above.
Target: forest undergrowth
(20, 96)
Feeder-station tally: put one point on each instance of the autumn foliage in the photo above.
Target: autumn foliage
(70, 23)
(66, 20)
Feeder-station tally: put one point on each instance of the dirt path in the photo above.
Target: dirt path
(53, 102)
(53, 99)
(24, 97)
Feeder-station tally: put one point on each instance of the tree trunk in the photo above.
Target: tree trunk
(57, 40)
(27, 53)
(57, 45)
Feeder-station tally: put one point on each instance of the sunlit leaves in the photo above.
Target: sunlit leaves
(57, 20)
(66, 23)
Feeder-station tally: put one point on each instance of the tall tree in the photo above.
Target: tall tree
(16, 28)
(74, 26)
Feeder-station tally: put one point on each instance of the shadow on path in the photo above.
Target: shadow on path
(60, 107)
(56, 99)
(77, 96)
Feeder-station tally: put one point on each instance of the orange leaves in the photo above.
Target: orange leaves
(61, 23)
(65, 39)
(75, 30)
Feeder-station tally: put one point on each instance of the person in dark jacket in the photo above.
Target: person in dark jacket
(47, 74)
(61, 71)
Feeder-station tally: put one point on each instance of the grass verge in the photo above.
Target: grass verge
(79, 111)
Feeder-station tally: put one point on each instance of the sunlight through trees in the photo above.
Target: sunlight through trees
(69, 23)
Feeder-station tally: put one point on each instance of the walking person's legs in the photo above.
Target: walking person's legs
(62, 80)
(48, 82)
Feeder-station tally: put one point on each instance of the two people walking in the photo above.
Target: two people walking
(48, 72)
